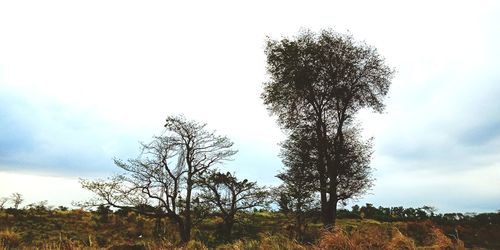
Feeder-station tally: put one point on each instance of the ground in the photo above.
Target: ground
(79, 229)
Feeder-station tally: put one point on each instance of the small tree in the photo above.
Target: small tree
(3, 201)
(299, 178)
(16, 199)
(229, 196)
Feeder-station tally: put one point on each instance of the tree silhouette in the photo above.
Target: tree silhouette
(229, 196)
(16, 199)
(160, 182)
(3, 201)
(320, 82)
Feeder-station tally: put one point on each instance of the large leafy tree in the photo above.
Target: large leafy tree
(161, 181)
(320, 81)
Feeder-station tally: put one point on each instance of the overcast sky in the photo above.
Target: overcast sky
(82, 82)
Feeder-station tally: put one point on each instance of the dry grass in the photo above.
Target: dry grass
(363, 235)
(400, 242)
(9, 239)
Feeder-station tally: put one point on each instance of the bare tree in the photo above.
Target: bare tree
(229, 196)
(164, 173)
(16, 199)
(200, 150)
(3, 201)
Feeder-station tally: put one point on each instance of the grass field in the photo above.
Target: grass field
(78, 229)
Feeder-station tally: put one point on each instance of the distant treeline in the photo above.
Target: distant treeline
(367, 211)
(390, 214)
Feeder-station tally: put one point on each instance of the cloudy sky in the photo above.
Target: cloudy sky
(82, 82)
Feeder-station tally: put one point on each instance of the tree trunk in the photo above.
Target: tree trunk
(158, 230)
(227, 228)
(299, 226)
(182, 229)
(187, 210)
(324, 199)
(322, 167)
(185, 235)
(332, 193)
(333, 214)
(328, 216)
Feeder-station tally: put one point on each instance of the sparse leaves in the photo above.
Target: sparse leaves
(163, 175)
(16, 199)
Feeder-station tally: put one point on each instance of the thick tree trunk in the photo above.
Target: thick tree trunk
(328, 220)
(322, 171)
(334, 212)
(333, 171)
(323, 198)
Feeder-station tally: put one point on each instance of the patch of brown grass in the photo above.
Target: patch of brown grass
(382, 236)
(400, 242)
(428, 236)
(9, 239)
(337, 240)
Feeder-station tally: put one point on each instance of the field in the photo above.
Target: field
(78, 229)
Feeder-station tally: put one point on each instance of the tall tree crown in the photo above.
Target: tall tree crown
(327, 74)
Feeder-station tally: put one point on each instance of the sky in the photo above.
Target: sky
(82, 82)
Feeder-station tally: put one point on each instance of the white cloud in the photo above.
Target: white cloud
(98, 76)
